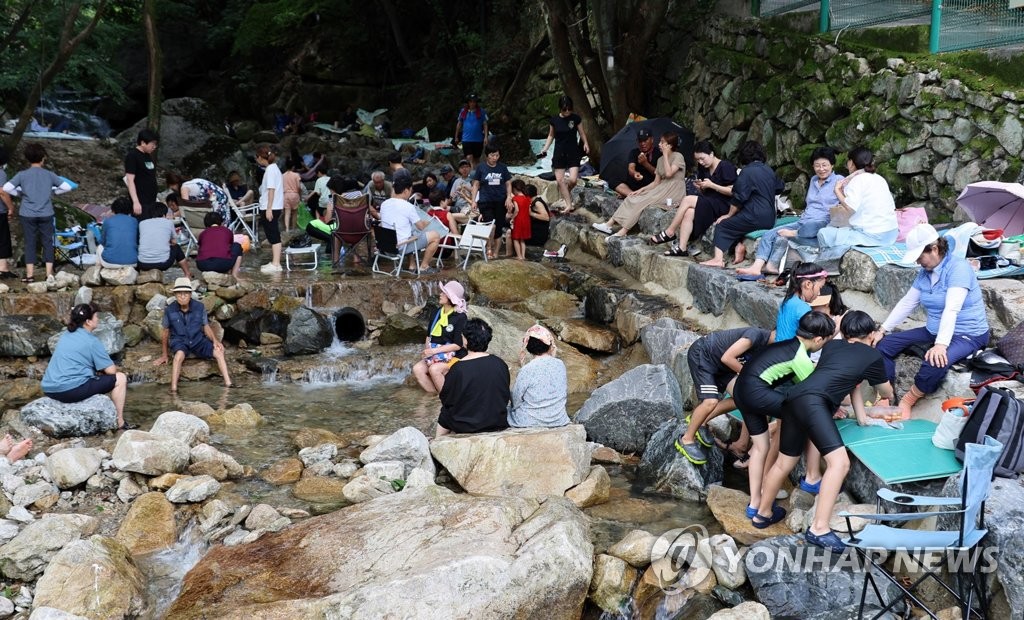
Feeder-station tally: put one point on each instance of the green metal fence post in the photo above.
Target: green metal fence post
(755, 8)
(823, 14)
(936, 27)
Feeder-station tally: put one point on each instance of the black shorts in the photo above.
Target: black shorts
(709, 378)
(100, 384)
(271, 228)
(176, 256)
(496, 212)
(809, 416)
(757, 402)
(6, 251)
(473, 149)
(564, 161)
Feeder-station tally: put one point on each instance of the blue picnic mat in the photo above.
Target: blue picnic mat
(884, 255)
(903, 455)
(782, 221)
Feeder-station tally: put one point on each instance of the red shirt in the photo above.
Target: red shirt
(215, 242)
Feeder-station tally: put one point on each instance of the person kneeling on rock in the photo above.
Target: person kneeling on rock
(71, 376)
(188, 332)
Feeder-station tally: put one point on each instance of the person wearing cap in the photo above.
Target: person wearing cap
(444, 339)
(80, 366)
(947, 288)
(461, 189)
(641, 169)
(447, 174)
(186, 331)
(471, 130)
(542, 386)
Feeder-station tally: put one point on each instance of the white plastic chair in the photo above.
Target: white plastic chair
(240, 213)
(474, 238)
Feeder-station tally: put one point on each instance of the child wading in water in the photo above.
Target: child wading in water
(520, 216)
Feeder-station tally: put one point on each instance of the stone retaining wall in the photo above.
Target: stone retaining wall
(931, 134)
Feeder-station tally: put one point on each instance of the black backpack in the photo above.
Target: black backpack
(998, 414)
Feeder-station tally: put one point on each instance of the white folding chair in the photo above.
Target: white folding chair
(240, 213)
(474, 238)
(311, 254)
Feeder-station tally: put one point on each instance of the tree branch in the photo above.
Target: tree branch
(16, 27)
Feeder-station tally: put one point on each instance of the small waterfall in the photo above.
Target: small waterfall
(269, 375)
(309, 296)
(139, 377)
(421, 291)
(355, 371)
(165, 570)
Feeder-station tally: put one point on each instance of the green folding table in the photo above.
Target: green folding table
(904, 455)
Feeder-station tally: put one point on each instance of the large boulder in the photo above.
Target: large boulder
(151, 455)
(94, 577)
(507, 342)
(506, 281)
(250, 324)
(553, 304)
(469, 556)
(149, 524)
(664, 470)
(308, 332)
(96, 414)
(185, 427)
(25, 336)
(71, 467)
(1004, 518)
(109, 331)
(663, 337)
(25, 556)
(729, 507)
(400, 328)
(797, 580)
(623, 414)
(528, 462)
(407, 445)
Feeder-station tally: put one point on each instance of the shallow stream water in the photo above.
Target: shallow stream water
(375, 399)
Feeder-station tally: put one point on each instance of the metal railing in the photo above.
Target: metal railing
(955, 24)
(971, 24)
(767, 8)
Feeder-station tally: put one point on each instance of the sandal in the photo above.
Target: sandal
(28, 279)
(661, 237)
(675, 250)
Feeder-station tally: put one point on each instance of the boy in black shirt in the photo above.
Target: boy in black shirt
(139, 171)
(808, 414)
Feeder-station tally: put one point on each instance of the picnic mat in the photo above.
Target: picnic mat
(884, 255)
(903, 455)
(782, 221)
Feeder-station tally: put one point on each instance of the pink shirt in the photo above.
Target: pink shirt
(292, 182)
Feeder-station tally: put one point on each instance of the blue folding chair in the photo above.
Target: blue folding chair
(962, 543)
(68, 246)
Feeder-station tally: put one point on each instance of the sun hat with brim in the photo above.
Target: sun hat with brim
(917, 240)
(455, 294)
(182, 285)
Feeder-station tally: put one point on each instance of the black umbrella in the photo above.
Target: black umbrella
(615, 152)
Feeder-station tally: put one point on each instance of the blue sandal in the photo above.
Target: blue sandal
(761, 522)
(807, 487)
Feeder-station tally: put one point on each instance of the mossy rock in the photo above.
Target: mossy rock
(510, 281)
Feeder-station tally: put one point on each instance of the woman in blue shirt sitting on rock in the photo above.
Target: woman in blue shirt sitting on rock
(81, 368)
(948, 290)
(821, 196)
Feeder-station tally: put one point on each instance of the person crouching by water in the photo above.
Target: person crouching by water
(71, 376)
(542, 387)
(444, 340)
(187, 330)
(475, 395)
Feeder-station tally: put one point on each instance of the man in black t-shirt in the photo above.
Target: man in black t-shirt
(640, 165)
(808, 414)
(140, 172)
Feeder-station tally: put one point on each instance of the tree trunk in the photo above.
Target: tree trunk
(65, 49)
(155, 56)
(531, 60)
(396, 31)
(16, 27)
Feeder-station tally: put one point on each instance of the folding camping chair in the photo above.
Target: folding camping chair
(964, 541)
(240, 213)
(68, 246)
(389, 249)
(474, 238)
(350, 212)
(192, 222)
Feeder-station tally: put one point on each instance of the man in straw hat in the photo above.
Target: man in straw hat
(188, 332)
